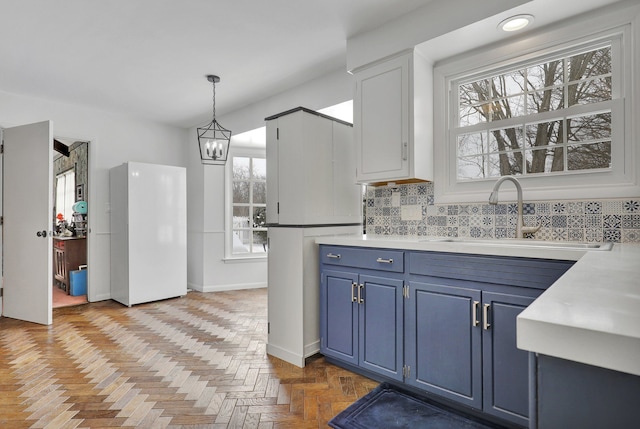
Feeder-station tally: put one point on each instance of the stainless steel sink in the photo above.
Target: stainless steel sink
(513, 242)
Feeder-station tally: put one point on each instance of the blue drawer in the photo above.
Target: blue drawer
(357, 257)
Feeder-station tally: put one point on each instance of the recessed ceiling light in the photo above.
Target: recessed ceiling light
(515, 23)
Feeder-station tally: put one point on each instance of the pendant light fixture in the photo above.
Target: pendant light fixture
(214, 139)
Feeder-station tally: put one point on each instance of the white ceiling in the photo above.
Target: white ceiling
(149, 58)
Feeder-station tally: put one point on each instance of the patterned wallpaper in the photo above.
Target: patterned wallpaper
(597, 220)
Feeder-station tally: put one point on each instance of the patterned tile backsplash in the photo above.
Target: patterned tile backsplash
(616, 220)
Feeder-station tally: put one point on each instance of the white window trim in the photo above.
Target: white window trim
(230, 257)
(622, 181)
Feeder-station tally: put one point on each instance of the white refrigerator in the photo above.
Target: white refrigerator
(311, 192)
(148, 204)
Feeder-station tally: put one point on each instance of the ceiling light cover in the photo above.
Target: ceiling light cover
(515, 23)
(214, 139)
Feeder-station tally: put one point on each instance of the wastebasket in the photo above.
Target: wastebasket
(78, 280)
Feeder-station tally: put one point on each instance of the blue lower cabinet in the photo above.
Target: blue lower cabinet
(381, 330)
(505, 367)
(440, 322)
(361, 321)
(443, 341)
(339, 316)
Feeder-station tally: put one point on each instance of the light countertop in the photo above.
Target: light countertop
(590, 315)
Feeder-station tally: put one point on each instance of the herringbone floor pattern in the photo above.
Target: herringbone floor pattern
(192, 362)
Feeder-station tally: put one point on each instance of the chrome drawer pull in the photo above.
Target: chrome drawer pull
(333, 256)
(384, 261)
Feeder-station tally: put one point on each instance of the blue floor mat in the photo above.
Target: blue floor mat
(385, 407)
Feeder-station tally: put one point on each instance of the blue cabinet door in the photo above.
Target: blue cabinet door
(443, 341)
(505, 367)
(339, 316)
(381, 326)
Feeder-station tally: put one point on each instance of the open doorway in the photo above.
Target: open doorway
(70, 216)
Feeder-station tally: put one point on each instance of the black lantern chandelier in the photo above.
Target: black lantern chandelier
(214, 139)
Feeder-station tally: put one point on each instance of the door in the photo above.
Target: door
(505, 367)
(381, 326)
(444, 341)
(27, 209)
(339, 315)
(381, 121)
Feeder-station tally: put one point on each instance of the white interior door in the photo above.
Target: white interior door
(28, 215)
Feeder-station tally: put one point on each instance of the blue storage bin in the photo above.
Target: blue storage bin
(78, 280)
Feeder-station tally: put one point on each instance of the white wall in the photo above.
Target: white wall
(114, 139)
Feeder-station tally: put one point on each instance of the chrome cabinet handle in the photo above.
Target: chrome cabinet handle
(333, 256)
(474, 314)
(353, 293)
(360, 298)
(384, 261)
(485, 317)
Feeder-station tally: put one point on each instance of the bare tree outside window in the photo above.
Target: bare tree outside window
(524, 121)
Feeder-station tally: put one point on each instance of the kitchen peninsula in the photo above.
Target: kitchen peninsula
(583, 330)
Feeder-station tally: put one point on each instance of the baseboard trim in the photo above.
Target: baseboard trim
(222, 288)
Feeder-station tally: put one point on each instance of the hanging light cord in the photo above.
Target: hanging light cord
(214, 100)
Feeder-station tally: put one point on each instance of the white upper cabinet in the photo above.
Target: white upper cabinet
(393, 120)
(310, 174)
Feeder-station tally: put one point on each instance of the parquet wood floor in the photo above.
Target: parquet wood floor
(192, 362)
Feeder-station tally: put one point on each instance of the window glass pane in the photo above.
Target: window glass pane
(471, 115)
(589, 156)
(471, 168)
(545, 101)
(507, 84)
(240, 217)
(543, 134)
(474, 92)
(545, 160)
(545, 75)
(471, 144)
(241, 241)
(508, 163)
(241, 192)
(259, 217)
(591, 91)
(259, 169)
(259, 192)
(589, 127)
(505, 139)
(589, 64)
(260, 241)
(241, 168)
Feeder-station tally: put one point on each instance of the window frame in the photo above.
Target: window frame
(622, 180)
(238, 152)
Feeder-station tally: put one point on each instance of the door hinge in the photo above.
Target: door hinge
(278, 208)
(2, 147)
(1, 220)
(1, 292)
(277, 133)
(268, 327)
(406, 371)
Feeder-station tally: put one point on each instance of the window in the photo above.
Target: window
(545, 117)
(554, 109)
(66, 194)
(248, 205)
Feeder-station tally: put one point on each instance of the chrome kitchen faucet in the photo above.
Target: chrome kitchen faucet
(493, 199)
